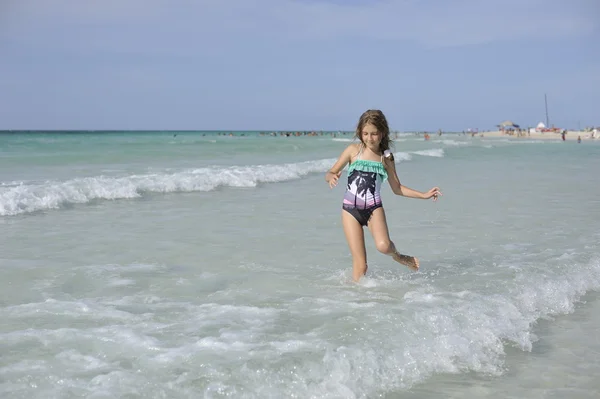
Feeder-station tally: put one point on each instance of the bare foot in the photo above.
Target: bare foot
(410, 261)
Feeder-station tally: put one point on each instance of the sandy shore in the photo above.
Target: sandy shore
(571, 135)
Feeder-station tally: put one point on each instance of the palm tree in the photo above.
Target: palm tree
(365, 181)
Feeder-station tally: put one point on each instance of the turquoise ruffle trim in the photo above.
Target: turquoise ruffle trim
(368, 166)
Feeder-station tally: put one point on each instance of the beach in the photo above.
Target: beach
(199, 264)
(571, 135)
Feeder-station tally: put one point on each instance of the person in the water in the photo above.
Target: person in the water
(371, 163)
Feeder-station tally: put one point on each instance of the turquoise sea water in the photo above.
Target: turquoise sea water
(191, 264)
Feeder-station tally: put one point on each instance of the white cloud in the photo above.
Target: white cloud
(442, 23)
(139, 24)
(229, 54)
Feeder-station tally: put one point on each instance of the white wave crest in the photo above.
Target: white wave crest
(342, 139)
(25, 198)
(434, 152)
(454, 143)
(402, 156)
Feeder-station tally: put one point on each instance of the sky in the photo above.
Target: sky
(297, 64)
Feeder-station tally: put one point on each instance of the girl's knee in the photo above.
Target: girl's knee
(384, 246)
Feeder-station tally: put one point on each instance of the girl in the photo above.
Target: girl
(371, 162)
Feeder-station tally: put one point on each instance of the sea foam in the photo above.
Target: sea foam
(26, 197)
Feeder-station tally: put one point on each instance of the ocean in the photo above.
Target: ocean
(204, 265)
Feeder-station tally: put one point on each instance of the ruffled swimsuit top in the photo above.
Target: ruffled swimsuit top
(364, 183)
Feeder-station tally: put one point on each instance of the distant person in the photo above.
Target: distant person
(579, 139)
(370, 164)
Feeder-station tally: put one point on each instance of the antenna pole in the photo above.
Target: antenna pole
(546, 102)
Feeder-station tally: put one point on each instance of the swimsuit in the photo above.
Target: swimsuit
(362, 192)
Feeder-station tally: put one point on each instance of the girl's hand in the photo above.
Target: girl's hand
(433, 193)
(333, 178)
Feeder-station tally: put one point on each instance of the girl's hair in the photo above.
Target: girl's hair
(377, 119)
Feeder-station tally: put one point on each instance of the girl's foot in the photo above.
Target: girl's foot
(410, 261)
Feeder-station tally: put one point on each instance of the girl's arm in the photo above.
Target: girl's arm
(404, 191)
(335, 172)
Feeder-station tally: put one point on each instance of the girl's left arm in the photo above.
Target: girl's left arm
(404, 191)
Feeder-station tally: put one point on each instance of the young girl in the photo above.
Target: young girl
(371, 162)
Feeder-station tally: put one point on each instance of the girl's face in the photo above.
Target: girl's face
(371, 137)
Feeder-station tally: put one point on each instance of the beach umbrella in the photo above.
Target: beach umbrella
(507, 123)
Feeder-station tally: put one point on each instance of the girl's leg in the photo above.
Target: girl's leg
(356, 241)
(379, 229)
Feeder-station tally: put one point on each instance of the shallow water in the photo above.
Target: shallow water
(146, 265)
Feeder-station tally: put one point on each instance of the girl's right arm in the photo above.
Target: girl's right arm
(335, 172)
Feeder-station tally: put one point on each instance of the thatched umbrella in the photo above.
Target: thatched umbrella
(507, 123)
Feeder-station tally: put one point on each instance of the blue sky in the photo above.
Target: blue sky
(297, 64)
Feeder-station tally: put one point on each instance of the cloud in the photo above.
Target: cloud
(435, 22)
(171, 27)
(301, 59)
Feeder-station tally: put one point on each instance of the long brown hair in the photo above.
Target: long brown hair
(377, 119)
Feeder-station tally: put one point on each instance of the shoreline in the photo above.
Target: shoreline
(571, 135)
